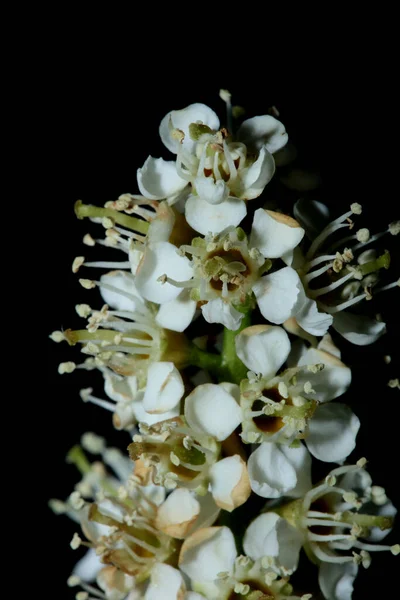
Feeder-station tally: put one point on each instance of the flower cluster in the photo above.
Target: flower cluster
(216, 345)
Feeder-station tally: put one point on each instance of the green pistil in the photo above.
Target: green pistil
(382, 262)
(132, 223)
(191, 457)
(83, 335)
(367, 520)
(77, 457)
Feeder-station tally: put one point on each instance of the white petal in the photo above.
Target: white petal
(210, 409)
(387, 510)
(358, 329)
(209, 513)
(276, 470)
(274, 234)
(214, 192)
(166, 583)
(230, 484)
(194, 596)
(161, 259)
(219, 311)
(332, 432)
(88, 566)
(277, 294)
(232, 388)
(263, 348)
(126, 283)
(270, 535)
(119, 390)
(162, 225)
(177, 514)
(309, 318)
(204, 217)
(336, 580)
(164, 388)
(255, 178)
(208, 552)
(331, 382)
(158, 179)
(150, 419)
(181, 119)
(263, 130)
(177, 314)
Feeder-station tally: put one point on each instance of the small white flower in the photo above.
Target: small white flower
(336, 520)
(276, 408)
(222, 173)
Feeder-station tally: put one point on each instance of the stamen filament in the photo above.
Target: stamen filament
(318, 272)
(103, 264)
(328, 288)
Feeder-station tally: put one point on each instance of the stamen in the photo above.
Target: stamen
(189, 283)
(334, 309)
(328, 288)
(88, 397)
(108, 264)
(226, 97)
(317, 260)
(318, 272)
(329, 229)
(325, 557)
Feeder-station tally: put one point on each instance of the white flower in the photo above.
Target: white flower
(332, 519)
(222, 173)
(224, 270)
(209, 558)
(276, 408)
(351, 275)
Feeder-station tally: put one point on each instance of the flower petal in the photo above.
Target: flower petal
(161, 259)
(181, 119)
(204, 217)
(124, 281)
(270, 535)
(230, 484)
(277, 294)
(158, 179)
(208, 552)
(262, 131)
(332, 432)
(219, 311)
(164, 388)
(214, 192)
(255, 178)
(166, 583)
(263, 348)
(358, 329)
(331, 382)
(336, 580)
(177, 314)
(210, 409)
(308, 316)
(274, 234)
(88, 567)
(151, 418)
(178, 513)
(276, 470)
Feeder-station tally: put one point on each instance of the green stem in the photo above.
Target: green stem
(231, 363)
(205, 360)
(88, 210)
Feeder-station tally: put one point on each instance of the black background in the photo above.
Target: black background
(102, 123)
